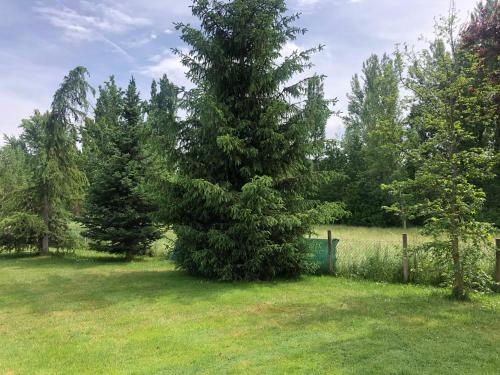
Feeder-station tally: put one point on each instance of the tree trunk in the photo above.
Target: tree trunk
(458, 273)
(45, 215)
(129, 255)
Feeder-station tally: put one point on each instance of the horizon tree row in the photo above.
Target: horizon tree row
(247, 172)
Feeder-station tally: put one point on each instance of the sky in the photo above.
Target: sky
(40, 41)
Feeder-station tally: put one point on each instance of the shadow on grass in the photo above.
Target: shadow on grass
(15, 255)
(405, 334)
(83, 282)
(79, 282)
(71, 260)
(363, 328)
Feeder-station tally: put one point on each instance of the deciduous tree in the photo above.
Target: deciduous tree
(441, 78)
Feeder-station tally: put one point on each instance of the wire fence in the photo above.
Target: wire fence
(382, 259)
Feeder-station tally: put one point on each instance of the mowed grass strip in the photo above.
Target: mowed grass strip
(91, 314)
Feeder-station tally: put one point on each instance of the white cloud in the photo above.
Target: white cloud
(351, 30)
(94, 22)
(98, 17)
(308, 2)
(169, 64)
(25, 85)
(138, 42)
(289, 48)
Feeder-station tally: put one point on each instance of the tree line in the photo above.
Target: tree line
(246, 172)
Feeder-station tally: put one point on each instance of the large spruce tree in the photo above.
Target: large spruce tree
(117, 209)
(99, 131)
(238, 201)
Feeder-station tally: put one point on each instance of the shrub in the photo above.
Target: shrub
(431, 264)
(21, 232)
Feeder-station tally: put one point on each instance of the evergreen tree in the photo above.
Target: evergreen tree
(448, 163)
(50, 141)
(162, 116)
(117, 209)
(20, 226)
(159, 136)
(238, 201)
(15, 179)
(98, 132)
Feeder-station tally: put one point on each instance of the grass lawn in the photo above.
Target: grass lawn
(89, 314)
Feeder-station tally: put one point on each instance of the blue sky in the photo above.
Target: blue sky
(40, 41)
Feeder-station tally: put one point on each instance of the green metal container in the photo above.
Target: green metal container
(319, 253)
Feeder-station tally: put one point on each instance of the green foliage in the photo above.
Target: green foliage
(448, 163)
(50, 143)
(21, 232)
(98, 132)
(239, 202)
(370, 152)
(481, 36)
(379, 265)
(317, 111)
(430, 264)
(15, 179)
(159, 137)
(162, 122)
(118, 211)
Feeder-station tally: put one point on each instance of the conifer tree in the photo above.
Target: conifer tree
(50, 140)
(238, 202)
(117, 209)
(160, 134)
(21, 227)
(162, 116)
(15, 178)
(97, 132)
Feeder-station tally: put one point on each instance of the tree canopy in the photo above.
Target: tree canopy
(239, 200)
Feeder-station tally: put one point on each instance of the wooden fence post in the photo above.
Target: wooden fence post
(497, 273)
(330, 255)
(406, 270)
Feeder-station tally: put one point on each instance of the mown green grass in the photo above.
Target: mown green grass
(92, 314)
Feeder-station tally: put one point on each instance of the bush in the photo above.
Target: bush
(431, 264)
(68, 237)
(21, 232)
(164, 247)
